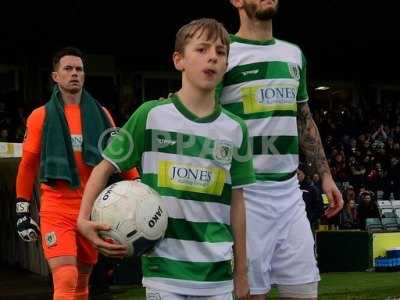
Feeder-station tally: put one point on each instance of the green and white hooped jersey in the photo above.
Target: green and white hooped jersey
(263, 84)
(194, 163)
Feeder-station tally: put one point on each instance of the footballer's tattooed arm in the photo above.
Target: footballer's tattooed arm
(310, 140)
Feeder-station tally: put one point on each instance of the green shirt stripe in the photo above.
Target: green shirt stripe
(257, 71)
(233, 38)
(237, 109)
(192, 271)
(179, 143)
(275, 176)
(198, 231)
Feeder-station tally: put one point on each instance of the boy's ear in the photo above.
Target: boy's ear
(178, 59)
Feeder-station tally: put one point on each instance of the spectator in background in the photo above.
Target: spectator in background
(361, 192)
(350, 194)
(380, 134)
(375, 178)
(317, 182)
(311, 196)
(392, 180)
(390, 147)
(4, 135)
(357, 172)
(348, 216)
(396, 134)
(339, 167)
(367, 209)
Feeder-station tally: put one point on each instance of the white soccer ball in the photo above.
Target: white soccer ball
(135, 213)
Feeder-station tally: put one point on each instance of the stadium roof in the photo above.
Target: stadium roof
(341, 39)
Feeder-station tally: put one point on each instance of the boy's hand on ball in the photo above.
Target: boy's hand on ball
(112, 249)
(115, 254)
(90, 230)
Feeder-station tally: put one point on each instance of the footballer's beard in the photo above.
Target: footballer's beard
(261, 15)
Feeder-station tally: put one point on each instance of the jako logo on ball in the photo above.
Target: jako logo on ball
(155, 218)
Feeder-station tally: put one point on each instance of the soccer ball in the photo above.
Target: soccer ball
(135, 213)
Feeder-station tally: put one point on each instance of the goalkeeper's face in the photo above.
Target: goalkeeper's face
(262, 10)
(69, 74)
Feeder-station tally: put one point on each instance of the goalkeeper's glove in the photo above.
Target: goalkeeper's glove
(27, 228)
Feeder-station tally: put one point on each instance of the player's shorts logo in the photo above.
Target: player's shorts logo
(222, 152)
(51, 239)
(294, 71)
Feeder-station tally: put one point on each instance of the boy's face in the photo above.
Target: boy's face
(203, 62)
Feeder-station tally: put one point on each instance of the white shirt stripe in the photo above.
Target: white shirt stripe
(196, 211)
(220, 129)
(273, 126)
(241, 53)
(193, 251)
(266, 163)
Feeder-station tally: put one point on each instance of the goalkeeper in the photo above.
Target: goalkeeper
(61, 142)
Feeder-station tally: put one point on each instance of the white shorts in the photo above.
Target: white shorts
(280, 245)
(154, 294)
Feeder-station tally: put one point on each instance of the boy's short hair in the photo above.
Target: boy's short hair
(73, 51)
(214, 30)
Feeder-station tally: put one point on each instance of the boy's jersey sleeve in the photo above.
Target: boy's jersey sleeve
(302, 95)
(242, 171)
(126, 147)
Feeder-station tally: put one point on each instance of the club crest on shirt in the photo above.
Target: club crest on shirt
(51, 239)
(76, 141)
(223, 152)
(294, 71)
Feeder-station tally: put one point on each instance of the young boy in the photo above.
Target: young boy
(194, 153)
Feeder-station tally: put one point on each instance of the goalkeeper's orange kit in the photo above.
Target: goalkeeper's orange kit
(59, 206)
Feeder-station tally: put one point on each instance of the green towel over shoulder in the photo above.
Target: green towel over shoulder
(57, 156)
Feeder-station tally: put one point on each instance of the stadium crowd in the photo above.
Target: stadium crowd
(362, 144)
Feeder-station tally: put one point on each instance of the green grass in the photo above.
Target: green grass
(338, 286)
